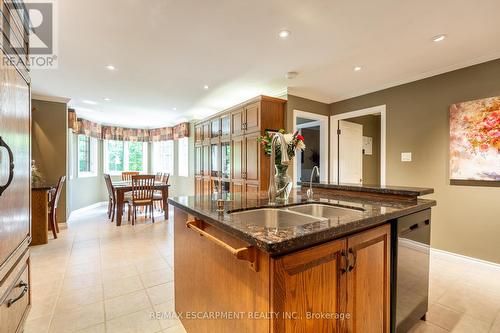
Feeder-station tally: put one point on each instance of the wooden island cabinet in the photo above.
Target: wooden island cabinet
(339, 286)
(227, 155)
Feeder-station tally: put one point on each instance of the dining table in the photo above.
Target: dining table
(123, 186)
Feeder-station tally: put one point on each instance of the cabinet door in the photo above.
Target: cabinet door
(15, 134)
(252, 158)
(310, 282)
(238, 151)
(198, 161)
(237, 121)
(237, 187)
(368, 280)
(199, 186)
(215, 160)
(226, 160)
(252, 118)
(252, 188)
(206, 160)
(215, 128)
(206, 131)
(207, 188)
(225, 125)
(198, 133)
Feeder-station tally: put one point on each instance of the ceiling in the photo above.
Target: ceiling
(165, 51)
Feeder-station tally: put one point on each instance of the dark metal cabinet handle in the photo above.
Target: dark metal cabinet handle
(343, 254)
(11, 166)
(354, 256)
(25, 287)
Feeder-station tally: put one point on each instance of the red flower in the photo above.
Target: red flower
(300, 137)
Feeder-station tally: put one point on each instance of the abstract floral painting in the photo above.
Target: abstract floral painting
(475, 140)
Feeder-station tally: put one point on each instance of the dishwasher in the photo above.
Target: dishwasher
(411, 236)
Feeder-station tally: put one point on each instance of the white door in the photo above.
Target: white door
(350, 152)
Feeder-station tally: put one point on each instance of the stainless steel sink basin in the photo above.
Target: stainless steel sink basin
(325, 211)
(274, 218)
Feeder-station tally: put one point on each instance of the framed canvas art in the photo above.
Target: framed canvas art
(475, 140)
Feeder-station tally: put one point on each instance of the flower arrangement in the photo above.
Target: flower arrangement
(294, 140)
(36, 176)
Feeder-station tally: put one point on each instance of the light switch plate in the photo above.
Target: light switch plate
(405, 157)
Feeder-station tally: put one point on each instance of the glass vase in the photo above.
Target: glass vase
(283, 183)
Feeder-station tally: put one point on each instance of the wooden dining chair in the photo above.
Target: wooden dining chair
(158, 177)
(53, 207)
(158, 195)
(111, 197)
(142, 196)
(127, 175)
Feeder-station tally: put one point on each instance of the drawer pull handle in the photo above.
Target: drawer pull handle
(245, 253)
(11, 166)
(25, 287)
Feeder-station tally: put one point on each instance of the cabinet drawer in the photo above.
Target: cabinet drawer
(15, 299)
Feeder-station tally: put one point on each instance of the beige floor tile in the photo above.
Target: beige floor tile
(119, 272)
(118, 287)
(72, 299)
(81, 281)
(99, 328)
(166, 314)
(42, 306)
(151, 264)
(85, 268)
(126, 304)
(443, 316)
(154, 278)
(38, 325)
(161, 293)
(137, 322)
(426, 327)
(78, 319)
(469, 324)
(495, 328)
(175, 329)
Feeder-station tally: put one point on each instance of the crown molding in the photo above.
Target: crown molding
(55, 99)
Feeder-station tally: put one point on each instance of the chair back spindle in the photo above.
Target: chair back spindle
(129, 174)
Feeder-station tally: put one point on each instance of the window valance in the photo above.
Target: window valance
(92, 129)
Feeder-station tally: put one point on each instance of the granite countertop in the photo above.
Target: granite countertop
(395, 190)
(281, 240)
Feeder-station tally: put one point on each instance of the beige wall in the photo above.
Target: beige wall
(467, 218)
(49, 145)
(371, 163)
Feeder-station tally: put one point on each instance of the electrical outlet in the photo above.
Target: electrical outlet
(405, 157)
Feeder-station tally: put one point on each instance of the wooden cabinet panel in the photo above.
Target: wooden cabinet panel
(15, 133)
(219, 280)
(238, 151)
(198, 185)
(206, 159)
(206, 131)
(225, 125)
(252, 187)
(215, 128)
(207, 186)
(368, 280)
(310, 282)
(237, 121)
(252, 151)
(237, 187)
(198, 161)
(252, 118)
(198, 133)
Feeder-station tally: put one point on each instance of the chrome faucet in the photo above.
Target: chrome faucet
(310, 192)
(272, 191)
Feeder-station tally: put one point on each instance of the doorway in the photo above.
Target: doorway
(314, 128)
(358, 147)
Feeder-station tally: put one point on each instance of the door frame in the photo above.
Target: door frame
(323, 143)
(375, 110)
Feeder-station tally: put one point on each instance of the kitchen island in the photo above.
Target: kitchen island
(304, 266)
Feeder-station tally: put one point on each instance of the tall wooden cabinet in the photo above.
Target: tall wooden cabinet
(228, 156)
(15, 171)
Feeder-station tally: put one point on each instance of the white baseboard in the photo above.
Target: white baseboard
(93, 206)
(450, 256)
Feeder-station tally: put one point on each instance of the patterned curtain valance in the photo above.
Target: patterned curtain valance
(125, 134)
(162, 134)
(72, 120)
(89, 128)
(181, 131)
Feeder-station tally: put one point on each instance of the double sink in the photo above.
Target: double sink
(292, 216)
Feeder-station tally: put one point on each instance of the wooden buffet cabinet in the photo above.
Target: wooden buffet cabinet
(335, 281)
(227, 155)
(15, 172)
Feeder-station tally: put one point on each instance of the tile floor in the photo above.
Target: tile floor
(99, 278)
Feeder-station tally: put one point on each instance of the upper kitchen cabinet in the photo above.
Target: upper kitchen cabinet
(198, 134)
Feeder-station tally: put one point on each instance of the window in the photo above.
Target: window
(122, 156)
(183, 157)
(163, 157)
(87, 156)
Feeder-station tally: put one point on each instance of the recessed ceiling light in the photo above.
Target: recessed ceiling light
(86, 101)
(205, 87)
(283, 34)
(358, 68)
(438, 38)
(175, 109)
(107, 99)
(110, 67)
